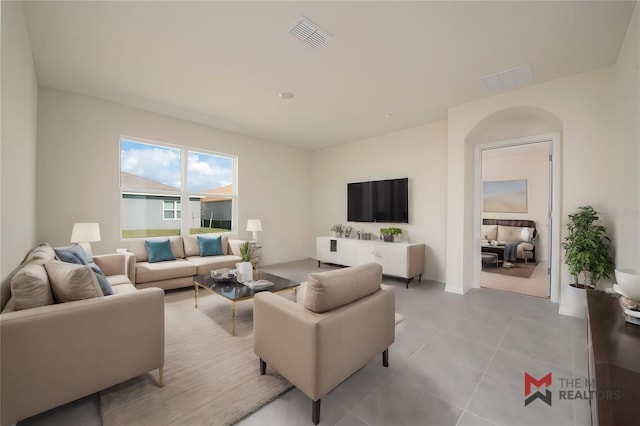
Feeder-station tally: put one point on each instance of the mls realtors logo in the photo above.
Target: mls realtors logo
(529, 397)
(570, 388)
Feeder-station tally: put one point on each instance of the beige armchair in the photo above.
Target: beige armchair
(343, 321)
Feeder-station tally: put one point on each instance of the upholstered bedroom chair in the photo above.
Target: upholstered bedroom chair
(345, 319)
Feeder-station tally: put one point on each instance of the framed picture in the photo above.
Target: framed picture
(504, 196)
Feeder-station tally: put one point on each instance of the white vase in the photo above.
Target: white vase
(245, 272)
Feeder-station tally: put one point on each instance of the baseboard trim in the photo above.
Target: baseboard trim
(454, 289)
(573, 311)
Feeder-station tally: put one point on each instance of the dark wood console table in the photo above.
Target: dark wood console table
(614, 362)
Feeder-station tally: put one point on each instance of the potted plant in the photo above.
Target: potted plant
(337, 230)
(389, 234)
(245, 268)
(587, 248)
(246, 252)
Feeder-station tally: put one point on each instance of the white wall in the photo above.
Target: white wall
(418, 153)
(585, 104)
(78, 173)
(530, 162)
(18, 148)
(625, 215)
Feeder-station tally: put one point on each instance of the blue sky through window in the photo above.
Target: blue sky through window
(162, 164)
(206, 171)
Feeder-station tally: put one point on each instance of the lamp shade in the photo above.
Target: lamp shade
(85, 233)
(254, 225)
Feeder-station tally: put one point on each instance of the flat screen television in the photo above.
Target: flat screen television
(378, 201)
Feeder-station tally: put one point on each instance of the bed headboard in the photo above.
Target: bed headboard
(510, 222)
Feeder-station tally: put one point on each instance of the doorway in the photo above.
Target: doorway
(516, 197)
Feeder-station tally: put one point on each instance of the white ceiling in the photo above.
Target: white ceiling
(224, 63)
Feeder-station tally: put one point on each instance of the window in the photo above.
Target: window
(171, 210)
(167, 190)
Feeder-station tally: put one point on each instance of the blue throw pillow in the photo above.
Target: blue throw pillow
(105, 285)
(159, 250)
(73, 254)
(76, 254)
(210, 246)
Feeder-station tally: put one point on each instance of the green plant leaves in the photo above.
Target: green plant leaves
(390, 231)
(587, 247)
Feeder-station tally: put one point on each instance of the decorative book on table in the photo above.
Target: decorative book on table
(258, 284)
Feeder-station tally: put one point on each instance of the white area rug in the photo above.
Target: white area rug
(210, 376)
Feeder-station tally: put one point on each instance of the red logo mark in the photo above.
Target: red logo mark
(530, 380)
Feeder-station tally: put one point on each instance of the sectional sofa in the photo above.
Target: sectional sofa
(54, 351)
(63, 338)
(170, 274)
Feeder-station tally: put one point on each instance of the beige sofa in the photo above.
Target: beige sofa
(56, 353)
(188, 263)
(505, 231)
(344, 319)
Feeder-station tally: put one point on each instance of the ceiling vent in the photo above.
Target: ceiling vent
(308, 32)
(508, 79)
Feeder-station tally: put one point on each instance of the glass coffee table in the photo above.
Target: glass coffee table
(236, 292)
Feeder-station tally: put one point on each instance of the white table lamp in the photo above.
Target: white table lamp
(254, 225)
(85, 233)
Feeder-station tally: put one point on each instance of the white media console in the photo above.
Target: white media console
(404, 260)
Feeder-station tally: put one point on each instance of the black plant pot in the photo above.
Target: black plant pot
(582, 286)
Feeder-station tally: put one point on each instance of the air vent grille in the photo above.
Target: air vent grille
(508, 79)
(309, 33)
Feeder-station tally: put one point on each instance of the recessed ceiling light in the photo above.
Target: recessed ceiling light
(285, 95)
(388, 115)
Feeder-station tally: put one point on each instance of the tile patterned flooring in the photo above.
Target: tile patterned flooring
(457, 360)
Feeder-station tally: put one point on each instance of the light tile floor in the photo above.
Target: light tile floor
(457, 360)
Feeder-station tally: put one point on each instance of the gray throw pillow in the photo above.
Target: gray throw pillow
(71, 282)
(30, 287)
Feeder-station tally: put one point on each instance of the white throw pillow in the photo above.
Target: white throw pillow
(489, 232)
(71, 282)
(514, 233)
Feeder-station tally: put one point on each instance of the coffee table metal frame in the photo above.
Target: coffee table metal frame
(235, 292)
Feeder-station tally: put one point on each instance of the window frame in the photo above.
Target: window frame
(183, 193)
(175, 210)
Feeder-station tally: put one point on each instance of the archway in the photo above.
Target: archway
(510, 127)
